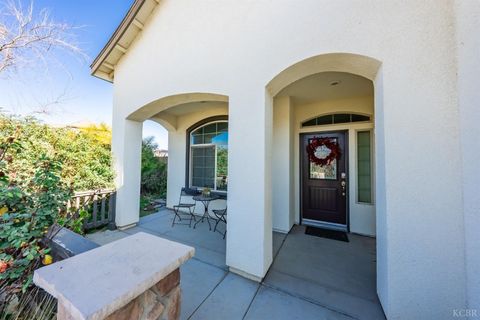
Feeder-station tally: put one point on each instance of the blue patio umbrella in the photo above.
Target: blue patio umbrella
(221, 139)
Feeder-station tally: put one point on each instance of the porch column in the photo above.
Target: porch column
(249, 228)
(282, 166)
(126, 149)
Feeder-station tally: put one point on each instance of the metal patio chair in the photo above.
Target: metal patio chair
(221, 216)
(181, 208)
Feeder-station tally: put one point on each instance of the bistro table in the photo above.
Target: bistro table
(206, 202)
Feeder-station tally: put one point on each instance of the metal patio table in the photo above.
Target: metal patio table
(206, 202)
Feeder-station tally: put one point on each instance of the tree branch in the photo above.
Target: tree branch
(25, 39)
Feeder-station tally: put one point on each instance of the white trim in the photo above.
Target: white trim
(280, 231)
(317, 223)
(206, 124)
(245, 274)
(128, 226)
(364, 125)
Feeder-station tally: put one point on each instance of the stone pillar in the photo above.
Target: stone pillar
(136, 277)
(162, 301)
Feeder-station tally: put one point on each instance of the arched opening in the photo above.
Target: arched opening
(180, 115)
(195, 122)
(154, 168)
(166, 110)
(336, 98)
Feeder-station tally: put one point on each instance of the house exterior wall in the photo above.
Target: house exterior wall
(468, 51)
(235, 48)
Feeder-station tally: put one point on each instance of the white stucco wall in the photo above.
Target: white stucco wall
(235, 48)
(126, 149)
(283, 212)
(468, 24)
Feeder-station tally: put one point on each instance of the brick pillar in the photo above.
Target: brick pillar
(160, 302)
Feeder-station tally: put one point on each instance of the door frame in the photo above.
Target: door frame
(313, 223)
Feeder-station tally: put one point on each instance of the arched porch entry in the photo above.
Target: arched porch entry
(337, 95)
(176, 113)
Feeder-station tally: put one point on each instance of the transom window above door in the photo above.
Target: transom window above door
(335, 119)
(208, 165)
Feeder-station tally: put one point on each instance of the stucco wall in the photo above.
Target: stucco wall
(282, 166)
(468, 23)
(235, 48)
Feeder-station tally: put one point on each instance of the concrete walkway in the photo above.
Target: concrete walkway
(310, 278)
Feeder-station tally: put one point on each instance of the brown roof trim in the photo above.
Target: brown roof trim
(116, 36)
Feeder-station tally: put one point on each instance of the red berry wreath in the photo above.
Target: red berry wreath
(315, 143)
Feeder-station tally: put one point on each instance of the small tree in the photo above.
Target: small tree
(27, 38)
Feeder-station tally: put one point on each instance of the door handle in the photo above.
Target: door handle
(343, 184)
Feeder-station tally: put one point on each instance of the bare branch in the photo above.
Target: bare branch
(27, 38)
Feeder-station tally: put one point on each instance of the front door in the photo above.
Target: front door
(324, 188)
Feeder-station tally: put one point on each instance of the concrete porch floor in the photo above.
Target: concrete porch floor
(310, 278)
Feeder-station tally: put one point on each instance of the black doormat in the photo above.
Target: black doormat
(326, 233)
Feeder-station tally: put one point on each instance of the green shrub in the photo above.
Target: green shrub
(40, 167)
(154, 170)
(28, 207)
(85, 153)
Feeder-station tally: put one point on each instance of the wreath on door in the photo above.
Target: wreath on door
(325, 145)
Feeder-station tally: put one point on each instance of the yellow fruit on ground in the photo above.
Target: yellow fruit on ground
(47, 260)
(3, 210)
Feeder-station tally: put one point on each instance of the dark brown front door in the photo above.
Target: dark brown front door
(324, 199)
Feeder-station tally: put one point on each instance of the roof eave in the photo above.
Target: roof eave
(113, 43)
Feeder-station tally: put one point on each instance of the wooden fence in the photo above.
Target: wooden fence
(100, 204)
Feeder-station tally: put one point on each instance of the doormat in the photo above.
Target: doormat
(326, 233)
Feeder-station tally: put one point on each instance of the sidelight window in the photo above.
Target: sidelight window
(364, 167)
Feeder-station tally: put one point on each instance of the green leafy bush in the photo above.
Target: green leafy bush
(84, 152)
(28, 207)
(40, 167)
(154, 170)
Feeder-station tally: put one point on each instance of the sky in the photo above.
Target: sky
(64, 87)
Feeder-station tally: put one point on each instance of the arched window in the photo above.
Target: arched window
(335, 119)
(208, 149)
